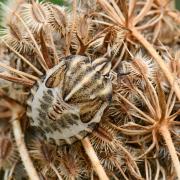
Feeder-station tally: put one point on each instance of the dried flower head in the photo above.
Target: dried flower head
(94, 87)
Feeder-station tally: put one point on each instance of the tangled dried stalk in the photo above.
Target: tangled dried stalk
(138, 135)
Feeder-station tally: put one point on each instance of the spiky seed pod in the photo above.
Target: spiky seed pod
(57, 18)
(42, 151)
(120, 112)
(71, 165)
(140, 66)
(83, 34)
(35, 15)
(104, 137)
(12, 33)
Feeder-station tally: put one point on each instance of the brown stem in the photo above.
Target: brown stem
(25, 82)
(23, 151)
(17, 113)
(175, 16)
(143, 12)
(56, 171)
(158, 59)
(17, 71)
(94, 159)
(167, 137)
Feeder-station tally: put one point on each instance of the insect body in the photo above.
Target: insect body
(70, 100)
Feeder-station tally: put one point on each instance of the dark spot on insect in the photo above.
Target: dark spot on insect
(49, 92)
(31, 120)
(72, 121)
(48, 130)
(34, 132)
(44, 106)
(86, 117)
(83, 133)
(40, 122)
(55, 127)
(47, 98)
(93, 125)
(63, 123)
(42, 114)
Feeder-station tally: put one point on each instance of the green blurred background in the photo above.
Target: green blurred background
(178, 4)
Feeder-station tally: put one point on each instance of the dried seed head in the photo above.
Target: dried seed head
(12, 33)
(141, 66)
(103, 138)
(71, 165)
(42, 151)
(35, 15)
(57, 18)
(108, 159)
(120, 112)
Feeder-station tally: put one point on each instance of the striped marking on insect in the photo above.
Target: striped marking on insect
(71, 98)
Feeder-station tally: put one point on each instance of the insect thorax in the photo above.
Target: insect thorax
(69, 101)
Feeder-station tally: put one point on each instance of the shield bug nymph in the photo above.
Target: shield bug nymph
(69, 101)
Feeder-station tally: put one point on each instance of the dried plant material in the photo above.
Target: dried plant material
(94, 159)
(94, 87)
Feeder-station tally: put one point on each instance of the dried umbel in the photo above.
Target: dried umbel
(93, 88)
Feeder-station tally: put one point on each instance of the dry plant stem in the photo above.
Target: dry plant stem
(24, 59)
(56, 171)
(94, 159)
(175, 16)
(143, 12)
(17, 112)
(167, 137)
(18, 72)
(16, 79)
(158, 59)
(120, 169)
(110, 10)
(23, 150)
(132, 5)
